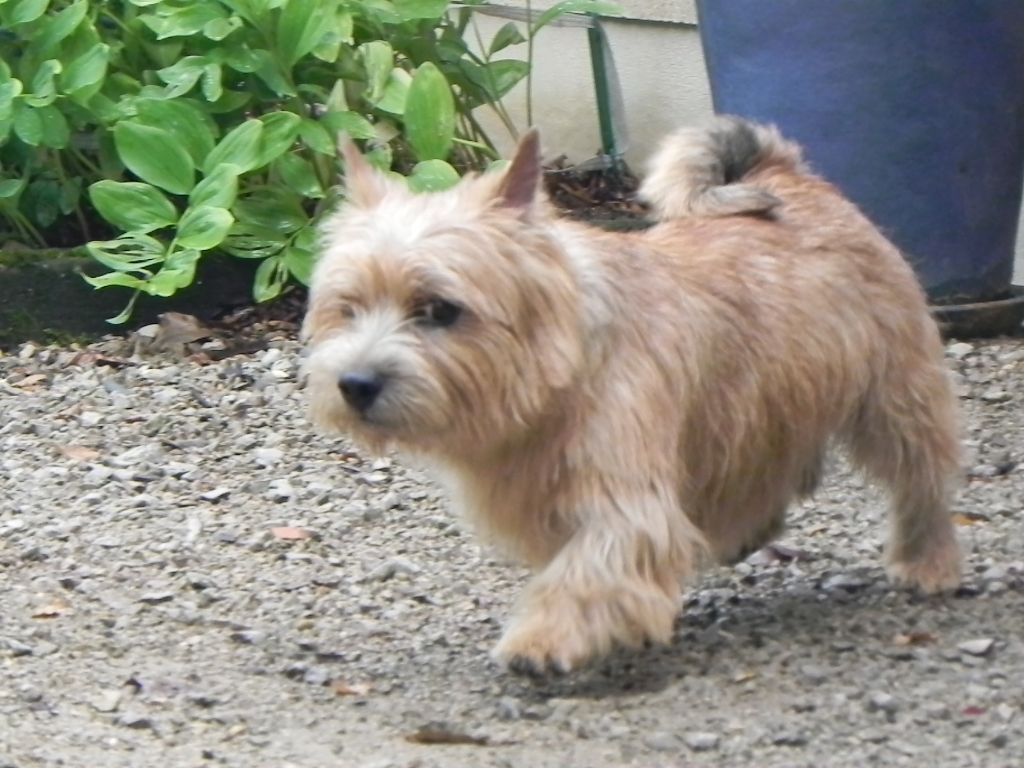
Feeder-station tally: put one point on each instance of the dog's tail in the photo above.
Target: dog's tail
(701, 171)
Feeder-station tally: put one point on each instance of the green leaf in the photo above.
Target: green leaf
(24, 11)
(182, 76)
(240, 147)
(155, 155)
(253, 241)
(430, 114)
(219, 189)
(132, 206)
(410, 10)
(508, 35)
(10, 188)
(125, 313)
(212, 88)
(44, 86)
(204, 227)
(270, 279)
(270, 72)
(9, 91)
(300, 176)
(178, 271)
(597, 7)
(185, 21)
(70, 194)
(345, 26)
(56, 132)
(42, 201)
(280, 130)
(301, 26)
(315, 136)
(300, 262)
(497, 78)
(131, 252)
(351, 123)
(218, 29)
(86, 73)
(120, 279)
(192, 128)
(59, 26)
(28, 125)
(273, 208)
(396, 92)
(379, 60)
(432, 176)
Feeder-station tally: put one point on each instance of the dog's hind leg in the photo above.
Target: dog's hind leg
(906, 436)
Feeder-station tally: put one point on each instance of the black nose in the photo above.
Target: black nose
(360, 388)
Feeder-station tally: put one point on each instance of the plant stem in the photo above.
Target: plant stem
(529, 64)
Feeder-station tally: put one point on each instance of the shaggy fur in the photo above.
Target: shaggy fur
(615, 408)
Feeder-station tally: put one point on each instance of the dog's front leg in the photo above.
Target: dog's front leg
(616, 581)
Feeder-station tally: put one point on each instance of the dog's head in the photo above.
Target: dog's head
(443, 322)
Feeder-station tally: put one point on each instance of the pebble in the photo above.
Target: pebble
(136, 720)
(267, 457)
(215, 494)
(508, 708)
(701, 741)
(995, 395)
(960, 349)
(16, 647)
(280, 490)
(391, 568)
(662, 741)
(106, 701)
(981, 646)
(882, 702)
(789, 739)
(844, 581)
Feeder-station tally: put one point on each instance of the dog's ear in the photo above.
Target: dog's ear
(520, 184)
(364, 184)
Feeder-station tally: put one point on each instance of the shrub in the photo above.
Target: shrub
(206, 126)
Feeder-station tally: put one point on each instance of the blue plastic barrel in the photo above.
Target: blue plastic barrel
(914, 108)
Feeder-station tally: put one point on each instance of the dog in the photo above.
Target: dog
(616, 409)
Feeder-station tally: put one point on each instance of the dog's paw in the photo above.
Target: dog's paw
(935, 571)
(540, 645)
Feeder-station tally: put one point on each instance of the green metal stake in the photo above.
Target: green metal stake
(598, 44)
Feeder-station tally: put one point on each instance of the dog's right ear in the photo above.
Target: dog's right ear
(365, 186)
(519, 187)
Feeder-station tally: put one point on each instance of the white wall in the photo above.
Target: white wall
(658, 58)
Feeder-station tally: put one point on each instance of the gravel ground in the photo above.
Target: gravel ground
(189, 576)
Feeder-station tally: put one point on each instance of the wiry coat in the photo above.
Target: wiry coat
(612, 407)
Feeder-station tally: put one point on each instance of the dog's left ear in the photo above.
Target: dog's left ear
(364, 184)
(519, 187)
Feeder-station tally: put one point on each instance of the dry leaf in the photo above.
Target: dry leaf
(88, 357)
(342, 688)
(743, 677)
(178, 328)
(969, 518)
(914, 638)
(31, 380)
(288, 533)
(78, 452)
(52, 610)
(441, 733)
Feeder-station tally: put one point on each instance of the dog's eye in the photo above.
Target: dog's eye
(347, 311)
(437, 313)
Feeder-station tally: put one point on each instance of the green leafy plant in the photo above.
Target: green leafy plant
(196, 127)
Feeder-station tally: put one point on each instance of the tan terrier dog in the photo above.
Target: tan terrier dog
(612, 407)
